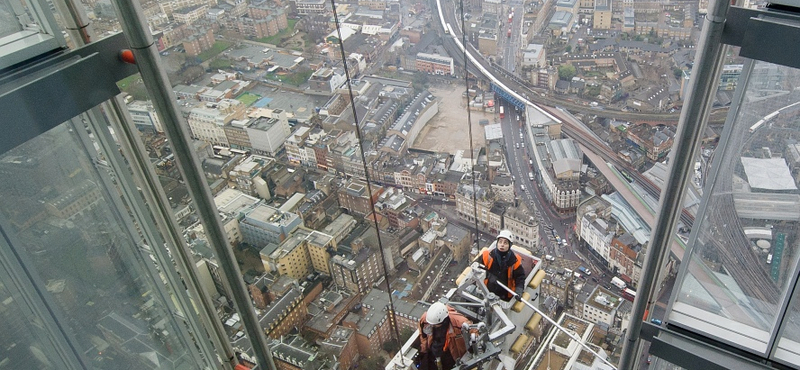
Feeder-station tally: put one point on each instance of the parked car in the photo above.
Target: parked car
(656, 321)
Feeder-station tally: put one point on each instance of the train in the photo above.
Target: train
(486, 72)
(768, 118)
(441, 18)
(626, 175)
(764, 120)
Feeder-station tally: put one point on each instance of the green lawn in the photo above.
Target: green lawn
(276, 39)
(295, 79)
(218, 47)
(220, 63)
(248, 98)
(123, 84)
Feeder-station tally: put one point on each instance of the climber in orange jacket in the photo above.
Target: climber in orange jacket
(441, 342)
(504, 266)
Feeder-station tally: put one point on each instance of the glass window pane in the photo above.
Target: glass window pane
(26, 342)
(27, 30)
(12, 14)
(743, 260)
(789, 343)
(63, 216)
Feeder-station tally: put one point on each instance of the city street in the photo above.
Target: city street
(518, 159)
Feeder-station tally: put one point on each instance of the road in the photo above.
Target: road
(724, 229)
(511, 42)
(578, 130)
(517, 145)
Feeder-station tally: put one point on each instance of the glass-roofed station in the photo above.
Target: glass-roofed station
(261, 184)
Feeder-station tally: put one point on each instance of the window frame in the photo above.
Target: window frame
(31, 41)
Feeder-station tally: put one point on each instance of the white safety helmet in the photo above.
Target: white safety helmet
(505, 234)
(436, 313)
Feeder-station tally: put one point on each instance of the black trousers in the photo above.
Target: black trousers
(426, 361)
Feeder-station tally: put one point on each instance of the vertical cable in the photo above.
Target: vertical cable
(366, 173)
(469, 124)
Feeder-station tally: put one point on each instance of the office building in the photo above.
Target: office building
(95, 270)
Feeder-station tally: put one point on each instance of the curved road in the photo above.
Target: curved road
(727, 240)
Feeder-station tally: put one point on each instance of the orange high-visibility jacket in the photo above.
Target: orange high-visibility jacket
(514, 273)
(454, 341)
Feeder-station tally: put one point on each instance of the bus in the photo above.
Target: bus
(629, 294)
(502, 112)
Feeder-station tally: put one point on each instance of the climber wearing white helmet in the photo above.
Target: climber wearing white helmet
(504, 266)
(441, 342)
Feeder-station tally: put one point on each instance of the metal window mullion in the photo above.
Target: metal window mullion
(115, 198)
(155, 79)
(46, 21)
(154, 195)
(77, 23)
(786, 300)
(693, 119)
(35, 297)
(142, 216)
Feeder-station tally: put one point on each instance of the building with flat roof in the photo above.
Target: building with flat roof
(600, 306)
(267, 134)
(601, 17)
(103, 227)
(435, 64)
(265, 224)
(354, 197)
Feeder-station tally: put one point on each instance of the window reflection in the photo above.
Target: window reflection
(789, 343)
(9, 22)
(62, 216)
(25, 342)
(743, 261)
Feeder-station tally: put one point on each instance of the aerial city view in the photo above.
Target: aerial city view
(379, 167)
